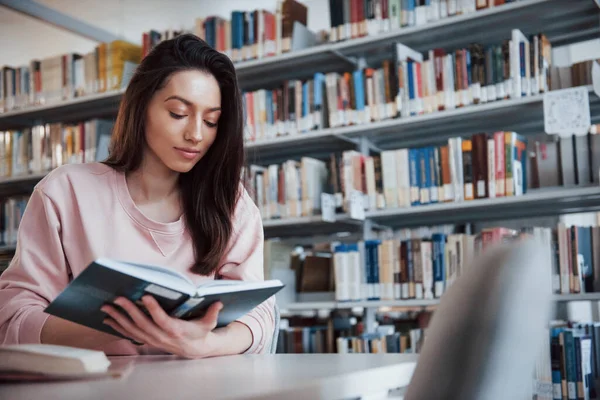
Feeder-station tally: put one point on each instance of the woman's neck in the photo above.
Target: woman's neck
(153, 181)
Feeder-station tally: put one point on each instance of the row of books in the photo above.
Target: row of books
(339, 333)
(410, 84)
(66, 76)
(423, 266)
(42, 148)
(11, 212)
(570, 362)
(350, 19)
(481, 166)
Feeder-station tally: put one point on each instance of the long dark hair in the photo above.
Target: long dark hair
(211, 189)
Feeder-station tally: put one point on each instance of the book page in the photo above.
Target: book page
(152, 273)
(226, 286)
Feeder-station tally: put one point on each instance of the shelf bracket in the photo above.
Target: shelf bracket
(350, 60)
(58, 19)
(346, 139)
(365, 146)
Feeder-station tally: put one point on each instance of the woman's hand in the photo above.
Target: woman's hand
(190, 339)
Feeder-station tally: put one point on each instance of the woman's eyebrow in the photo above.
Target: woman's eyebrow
(175, 97)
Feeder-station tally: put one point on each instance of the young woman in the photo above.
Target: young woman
(169, 194)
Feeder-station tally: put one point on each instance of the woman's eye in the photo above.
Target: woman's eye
(210, 124)
(176, 116)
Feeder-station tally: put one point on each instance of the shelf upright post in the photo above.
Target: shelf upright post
(369, 313)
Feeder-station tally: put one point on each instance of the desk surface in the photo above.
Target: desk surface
(289, 376)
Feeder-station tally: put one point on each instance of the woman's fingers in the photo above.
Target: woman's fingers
(160, 317)
(210, 319)
(127, 324)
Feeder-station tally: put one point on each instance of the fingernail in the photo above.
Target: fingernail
(104, 309)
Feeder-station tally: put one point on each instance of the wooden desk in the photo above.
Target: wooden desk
(278, 376)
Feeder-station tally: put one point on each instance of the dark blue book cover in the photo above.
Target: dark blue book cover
(556, 357)
(104, 280)
(415, 177)
(439, 263)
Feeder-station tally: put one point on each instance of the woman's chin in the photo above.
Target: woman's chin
(182, 166)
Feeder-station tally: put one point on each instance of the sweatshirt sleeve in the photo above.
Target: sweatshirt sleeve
(244, 261)
(36, 274)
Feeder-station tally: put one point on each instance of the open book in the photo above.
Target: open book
(104, 280)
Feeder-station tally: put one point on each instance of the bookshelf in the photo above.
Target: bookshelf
(524, 115)
(536, 203)
(563, 22)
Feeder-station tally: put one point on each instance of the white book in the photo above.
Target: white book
(390, 181)
(354, 276)
(52, 360)
(491, 159)
(517, 37)
(403, 177)
(426, 262)
(341, 268)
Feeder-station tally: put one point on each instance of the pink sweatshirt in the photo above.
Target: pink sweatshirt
(82, 212)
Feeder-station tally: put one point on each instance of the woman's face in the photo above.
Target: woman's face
(182, 118)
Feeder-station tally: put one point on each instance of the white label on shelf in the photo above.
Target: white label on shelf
(439, 289)
(434, 194)
(404, 290)
(571, 390)
(484, 94)
(448, 191)
(492, 93)
(480, 188)
(557, 391)
(397, 291)
(381, 111)
(596, 77)
(424, 196)
(543, 389)
(357, 208)
(327, 207)
(443, 9)
(418, 290)
(452, 7)
(500, 92)
(468, 190)
(567, 112)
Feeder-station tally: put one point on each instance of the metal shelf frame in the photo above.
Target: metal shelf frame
(385, 305)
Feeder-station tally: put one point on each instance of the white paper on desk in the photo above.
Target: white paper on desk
(567, 112)
(596, 77)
